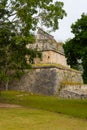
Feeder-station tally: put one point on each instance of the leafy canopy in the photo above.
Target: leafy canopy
(18, 20)
(76, 48)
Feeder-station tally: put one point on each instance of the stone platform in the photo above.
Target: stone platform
(46, 79)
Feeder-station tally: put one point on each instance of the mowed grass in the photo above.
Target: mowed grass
(39, 112)
(73, 108)
(33, 119)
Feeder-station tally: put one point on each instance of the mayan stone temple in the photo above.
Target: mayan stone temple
(51, 75)
(52, 52)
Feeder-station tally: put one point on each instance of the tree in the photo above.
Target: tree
(18, 20)
(76, 48)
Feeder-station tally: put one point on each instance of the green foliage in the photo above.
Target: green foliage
(18, 20)
(73, 53)
(84, 63)
(76, 48)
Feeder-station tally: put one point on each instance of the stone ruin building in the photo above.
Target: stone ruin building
(51, 75)
(52, 52)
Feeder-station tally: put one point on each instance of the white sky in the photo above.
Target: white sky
(74, 9)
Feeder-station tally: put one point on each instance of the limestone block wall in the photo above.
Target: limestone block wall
(45, 80)
(74, 91)
(40, 80)
(69, 76)
(52, 57)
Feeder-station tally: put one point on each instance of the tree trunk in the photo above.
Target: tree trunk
(6, 86)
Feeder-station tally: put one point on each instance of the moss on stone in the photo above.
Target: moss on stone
(71, 83)
(56, 65)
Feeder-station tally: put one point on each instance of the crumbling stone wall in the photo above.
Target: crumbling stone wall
(45, 80)
(51, 57)
(41, 81)
(77, 91)
(52, 51)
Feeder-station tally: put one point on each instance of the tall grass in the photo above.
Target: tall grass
(75, 108)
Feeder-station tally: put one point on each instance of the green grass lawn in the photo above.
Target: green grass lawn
(34, 119)
(42, 112)
(73, 108)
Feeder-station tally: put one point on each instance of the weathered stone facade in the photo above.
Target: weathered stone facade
(52, 51)
(46, 80)
(74, 91)
(42, 81)
(51, 57)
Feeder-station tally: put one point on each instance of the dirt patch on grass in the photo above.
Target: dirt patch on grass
(4, 105)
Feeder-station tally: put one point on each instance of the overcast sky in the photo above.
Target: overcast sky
(74, 9)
